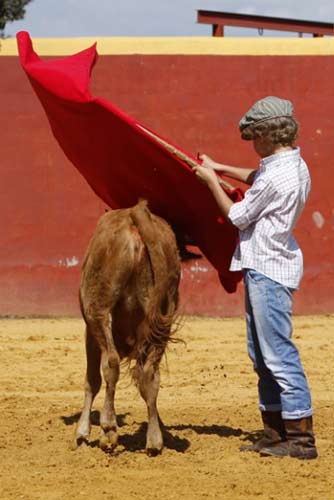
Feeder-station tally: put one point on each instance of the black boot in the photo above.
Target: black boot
(300, 441)
(273, 431)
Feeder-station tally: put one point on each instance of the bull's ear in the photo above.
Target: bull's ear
(182, 240)
(186, 254)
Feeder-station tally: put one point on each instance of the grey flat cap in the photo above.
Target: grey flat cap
(266, 109)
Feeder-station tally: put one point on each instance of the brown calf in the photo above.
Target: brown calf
(128, 299)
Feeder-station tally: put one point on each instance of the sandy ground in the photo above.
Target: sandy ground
(207, 401)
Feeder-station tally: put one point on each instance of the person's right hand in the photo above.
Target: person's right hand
(206, 175)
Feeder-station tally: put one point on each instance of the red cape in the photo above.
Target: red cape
(120, 161)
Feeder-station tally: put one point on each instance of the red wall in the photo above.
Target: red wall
(48, 212)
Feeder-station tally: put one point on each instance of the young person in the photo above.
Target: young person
(272, 263)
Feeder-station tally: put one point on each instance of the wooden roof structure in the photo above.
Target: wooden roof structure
(219, 20)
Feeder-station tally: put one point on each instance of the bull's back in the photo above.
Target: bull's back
(125, 241)
(112, 254)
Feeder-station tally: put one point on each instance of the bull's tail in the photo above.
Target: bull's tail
(160, 243)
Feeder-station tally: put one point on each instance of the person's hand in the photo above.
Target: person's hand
(205, 174)
(207, 161)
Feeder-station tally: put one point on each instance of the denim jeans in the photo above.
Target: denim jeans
(282, 383)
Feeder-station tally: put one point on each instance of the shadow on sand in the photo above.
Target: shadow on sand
(135, 442)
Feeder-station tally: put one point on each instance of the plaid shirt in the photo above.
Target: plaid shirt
(266, 218)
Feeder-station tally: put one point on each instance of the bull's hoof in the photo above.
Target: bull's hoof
(108, 440)
(153, 452)
(78, 442)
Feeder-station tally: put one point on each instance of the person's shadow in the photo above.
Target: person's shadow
(135, 442)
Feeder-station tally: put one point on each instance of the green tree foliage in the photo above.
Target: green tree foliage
(11, 10)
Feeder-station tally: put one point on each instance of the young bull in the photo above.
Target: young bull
(130, 274)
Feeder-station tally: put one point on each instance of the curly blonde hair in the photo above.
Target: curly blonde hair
(282, 130)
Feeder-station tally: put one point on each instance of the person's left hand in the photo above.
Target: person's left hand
(205, 174)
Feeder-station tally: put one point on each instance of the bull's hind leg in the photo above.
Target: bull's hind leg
(147, 376)
(110, 369)
(92, 387)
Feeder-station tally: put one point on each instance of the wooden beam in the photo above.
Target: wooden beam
(220, 19)
(217, 30)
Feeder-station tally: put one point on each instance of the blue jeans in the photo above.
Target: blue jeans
(282, 383)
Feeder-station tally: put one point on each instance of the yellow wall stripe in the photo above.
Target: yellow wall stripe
(177, 45)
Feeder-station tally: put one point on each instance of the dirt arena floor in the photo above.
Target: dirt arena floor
(207, 401)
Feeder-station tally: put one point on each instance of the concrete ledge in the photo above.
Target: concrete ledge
(178, 45)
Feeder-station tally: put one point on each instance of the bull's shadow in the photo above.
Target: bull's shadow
(223, 431)
(136, 441)
(132, 442)
(219, 430)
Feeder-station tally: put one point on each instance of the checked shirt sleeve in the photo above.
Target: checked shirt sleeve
(256, 201)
